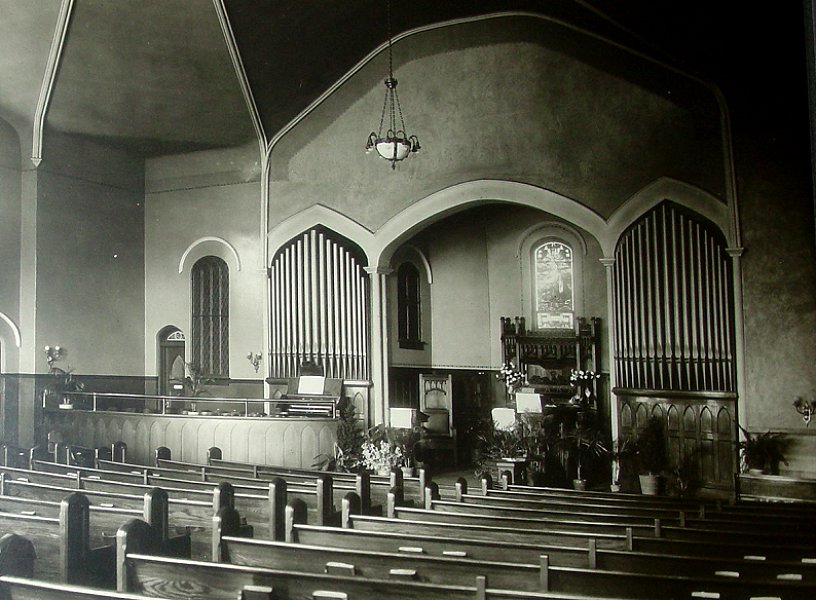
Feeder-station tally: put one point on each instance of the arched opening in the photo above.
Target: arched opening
(483, 262)
(171, 370)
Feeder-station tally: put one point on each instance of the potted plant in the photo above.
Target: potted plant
(652, 456)
(347, 450)
(762, 452)
(406, 439)
(621, 449)
(585, 442)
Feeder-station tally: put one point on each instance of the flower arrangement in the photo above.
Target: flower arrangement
(583, 378)
(512, 377)
(381, 456)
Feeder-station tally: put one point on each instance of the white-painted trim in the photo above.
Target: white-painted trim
(666, 188)
(318, 214)
(551, 229)
(49, 77)
(18, 339)
(209, 238)
(422, 259)
(456, 198)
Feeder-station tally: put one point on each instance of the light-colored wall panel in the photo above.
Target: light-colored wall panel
(290, 443)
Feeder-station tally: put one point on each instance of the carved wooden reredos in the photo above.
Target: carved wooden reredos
(320, 299)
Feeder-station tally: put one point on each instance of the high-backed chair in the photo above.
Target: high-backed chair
(436, 402)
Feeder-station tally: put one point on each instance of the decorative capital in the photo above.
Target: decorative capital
(378, 270)
(735, 252)
(607, 261)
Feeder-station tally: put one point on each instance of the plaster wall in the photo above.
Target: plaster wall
(10, 184)
(779, 278)
(90, 257)
(195, 198)
(503, 99)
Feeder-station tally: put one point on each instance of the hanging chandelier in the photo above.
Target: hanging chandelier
(395, 145)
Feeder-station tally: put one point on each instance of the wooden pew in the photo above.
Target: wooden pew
(457, 566)
(782, 541)
(710, 546)
(64, 545)
(489, 505)
(319, 492)
(413, 486)
(17, 565)
(193, 497)
(20, 588)
(201, 578)
(213, 581)
(797, 512)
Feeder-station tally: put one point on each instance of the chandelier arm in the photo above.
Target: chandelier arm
(399, 109)
(382, 116)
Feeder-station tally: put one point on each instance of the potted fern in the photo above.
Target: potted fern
(762, 452)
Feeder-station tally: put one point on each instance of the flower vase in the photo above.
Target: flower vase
(384, 471)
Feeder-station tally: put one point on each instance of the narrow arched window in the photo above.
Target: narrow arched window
(553, 285)
(409, 313)
(210, 317)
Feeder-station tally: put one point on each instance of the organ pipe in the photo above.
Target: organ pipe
(319, 308)
(672, 304)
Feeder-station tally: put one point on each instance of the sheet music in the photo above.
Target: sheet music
(311, 385)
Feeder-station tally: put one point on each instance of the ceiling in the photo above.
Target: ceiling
(155, 76)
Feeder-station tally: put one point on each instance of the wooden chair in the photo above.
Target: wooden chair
(436, 403)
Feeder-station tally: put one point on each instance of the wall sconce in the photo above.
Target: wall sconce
(255, 359)
(805, 408)
(53, 354)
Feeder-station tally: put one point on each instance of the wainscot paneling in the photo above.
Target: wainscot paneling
(286, 442)
(699, 426)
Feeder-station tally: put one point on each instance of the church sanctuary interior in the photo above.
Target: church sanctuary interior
(463, 299)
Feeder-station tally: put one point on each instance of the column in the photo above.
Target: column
(739, 336)
(609, 264)
(379, 343)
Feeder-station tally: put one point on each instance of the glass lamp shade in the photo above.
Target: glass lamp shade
(393, 148)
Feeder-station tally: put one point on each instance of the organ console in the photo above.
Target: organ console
(309, 395)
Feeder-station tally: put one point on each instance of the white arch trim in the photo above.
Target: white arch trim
(202, 240)
(677, 191)
(448, 201)
(18, 339)
(551, 228)
(424, 260)
(456, 198)
(318, 214)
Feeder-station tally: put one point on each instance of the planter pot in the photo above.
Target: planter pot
(384, 471)
(407, 471)
(614, 488)
(649, 485)
(579, 484)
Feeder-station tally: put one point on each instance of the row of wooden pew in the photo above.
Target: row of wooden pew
(516, 542)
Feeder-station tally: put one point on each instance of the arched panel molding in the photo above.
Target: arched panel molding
(405, 224)
(419, 259)
(315, 215)
(231, 254)
(684, 194)
(15, 331)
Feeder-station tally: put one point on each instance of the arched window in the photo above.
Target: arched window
(553, 285)
(210, 317)
(409, 314)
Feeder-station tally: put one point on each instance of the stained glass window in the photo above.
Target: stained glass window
(210, 316)
(554, 285)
